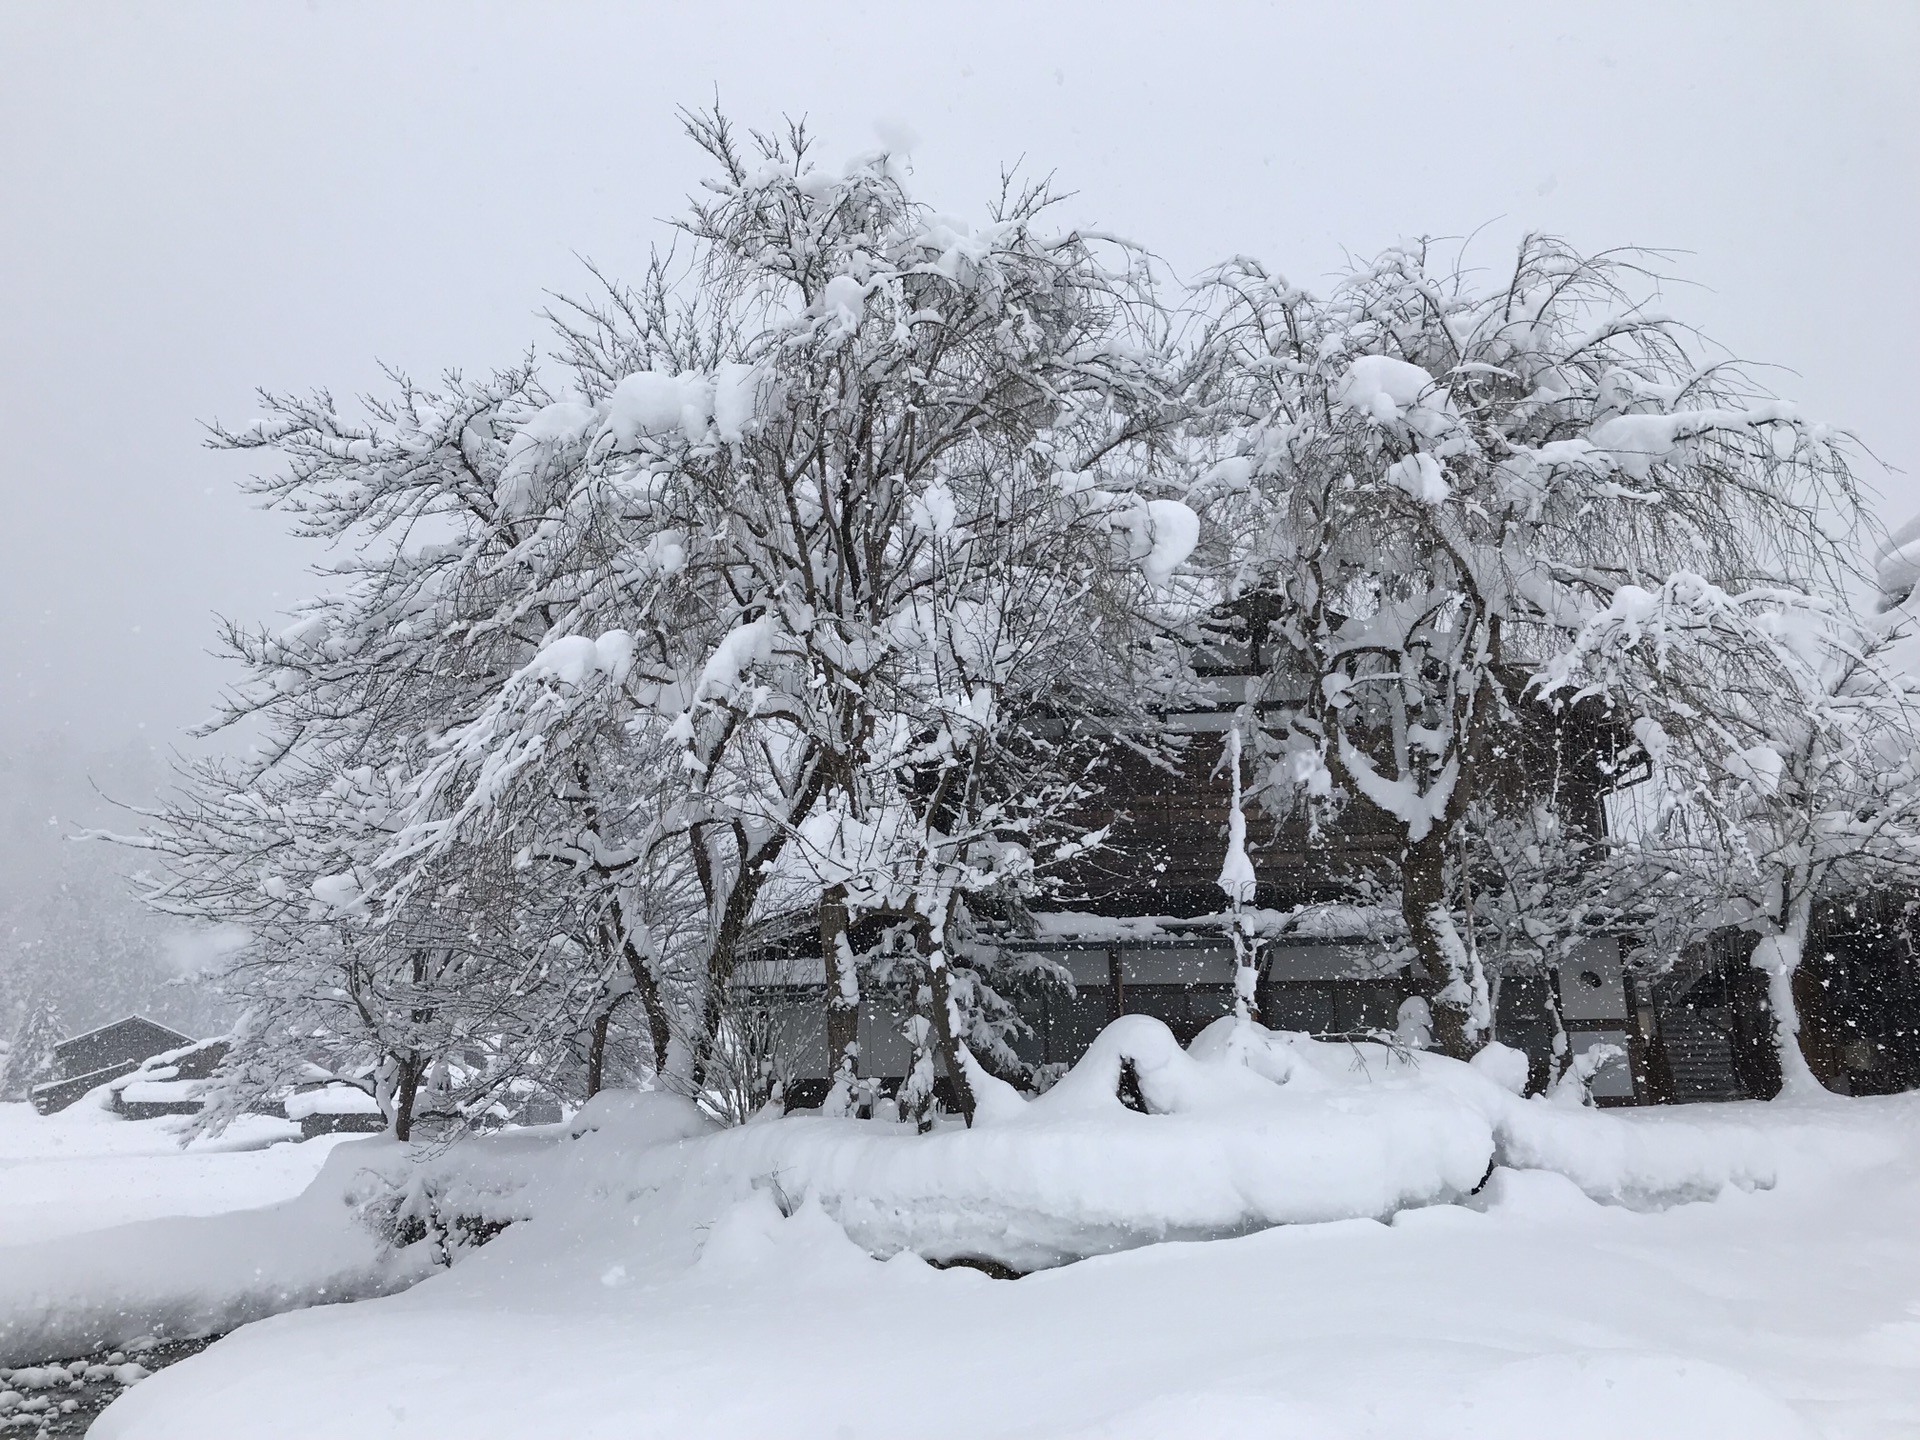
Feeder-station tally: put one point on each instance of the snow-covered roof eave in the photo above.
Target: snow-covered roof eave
(1329, 925)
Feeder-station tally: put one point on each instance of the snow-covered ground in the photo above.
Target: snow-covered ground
(86, 1169)
(1737, 1270)
(112, 1233)
(664, 1279)
(1772, 1316)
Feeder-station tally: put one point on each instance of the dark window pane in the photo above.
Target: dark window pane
(1301, 1007)
(1074, 1022)
(1032, 1046)
(1176, 964)
(1524, 1016)
(1163, 1002)
(1366, 1005)
(1207, 1003)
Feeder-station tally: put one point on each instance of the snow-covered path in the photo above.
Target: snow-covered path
(84, 1169)
(1792, 1312)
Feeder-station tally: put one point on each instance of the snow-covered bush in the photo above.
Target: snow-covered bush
(1138, 1143)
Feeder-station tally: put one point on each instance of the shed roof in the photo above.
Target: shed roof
(152, 1027)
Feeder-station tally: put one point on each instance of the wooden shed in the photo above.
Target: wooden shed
(99, 1055)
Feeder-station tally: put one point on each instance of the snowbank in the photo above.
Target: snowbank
(1077, 1172)
(1250, 1129)
(1140, 1142)
(620, 1310)
(377, 1218)
(188, 1275)
(1619, 1162)
(87, 1168)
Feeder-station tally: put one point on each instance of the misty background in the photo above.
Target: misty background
(199, 199)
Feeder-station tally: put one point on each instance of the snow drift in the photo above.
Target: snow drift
(1140, 1142)
(191, 1275)
(1249, 1129)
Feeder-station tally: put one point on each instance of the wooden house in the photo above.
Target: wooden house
(1139, 926)
(106, 1053)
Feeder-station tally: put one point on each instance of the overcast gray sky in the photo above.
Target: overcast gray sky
(196, 199)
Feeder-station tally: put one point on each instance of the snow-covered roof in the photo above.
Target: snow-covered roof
(168, 1063)
(116, 1024)
(138, 1091)
(331, 1100)
(181, 1052)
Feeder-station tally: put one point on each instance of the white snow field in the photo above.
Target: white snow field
(1734, 1270)
(86, 1169)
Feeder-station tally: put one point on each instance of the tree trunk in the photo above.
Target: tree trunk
(755, 866)
(725, 952)
(916, 1092)
(1778, 956)
(1240, 883)
(414, 1065)
(1456, 984)
(1561, 1056)
(1246, 973)
(411, 1068)
(597, 1050)
(647, 984)
(843, 1000)
(946, 1019)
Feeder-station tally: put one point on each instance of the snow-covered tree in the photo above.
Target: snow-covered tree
(434, 601)
(1535, 885)
(820, 574)
(29, 1055)
(1021, 659)
(1439, 480)
(881, 489)
(1785, 744)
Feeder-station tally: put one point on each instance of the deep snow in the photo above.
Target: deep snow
(666, 1279)
(86, 1169)
(1793, 1312)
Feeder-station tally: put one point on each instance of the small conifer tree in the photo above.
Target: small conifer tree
(29, 1059)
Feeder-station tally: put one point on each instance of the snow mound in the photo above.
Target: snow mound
(1504, 1065)
(1643, 1166)
(1222, 1150)
(664, 1282)
(333, 1099)
(1141, 1142)
(191, 1275)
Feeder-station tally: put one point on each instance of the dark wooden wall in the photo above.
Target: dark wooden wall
(1170, 824)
